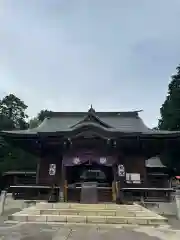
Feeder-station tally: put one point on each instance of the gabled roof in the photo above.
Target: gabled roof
(91, 118)
(63, 123)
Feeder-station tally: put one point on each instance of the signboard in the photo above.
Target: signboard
(133, 178)
(121, 170)
(52, 169)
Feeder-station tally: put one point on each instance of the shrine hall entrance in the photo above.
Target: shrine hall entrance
(88, 183)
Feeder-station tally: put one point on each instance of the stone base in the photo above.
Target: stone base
(89, 214)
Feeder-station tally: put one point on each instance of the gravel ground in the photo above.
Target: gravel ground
(28, 231)
(174, 223)
(76, 232)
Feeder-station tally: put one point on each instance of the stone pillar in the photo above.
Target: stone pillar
(177, 198)
(2, 201)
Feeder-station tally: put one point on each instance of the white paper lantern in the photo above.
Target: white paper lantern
(103, 160)
(52, 169)
(76, 160)
(121, 170)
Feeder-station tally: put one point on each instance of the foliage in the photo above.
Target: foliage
(17, 159)
(43, 114)
(33, 123)
(170, 120)
(6, 123)
(170, 158)
(170, 110)
(12, 109)
(13, 116)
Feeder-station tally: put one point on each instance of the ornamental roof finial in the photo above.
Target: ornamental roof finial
(91, 110)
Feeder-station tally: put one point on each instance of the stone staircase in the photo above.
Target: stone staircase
(88, 214)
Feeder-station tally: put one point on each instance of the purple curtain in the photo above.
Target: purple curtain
(83, 157)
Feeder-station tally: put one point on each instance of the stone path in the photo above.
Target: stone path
(88, 232)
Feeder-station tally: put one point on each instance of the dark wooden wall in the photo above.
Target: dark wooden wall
(134, 164)
(44, 178)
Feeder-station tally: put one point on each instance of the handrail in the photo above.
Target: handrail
(69, 187)
(33, 186)
(149, 189)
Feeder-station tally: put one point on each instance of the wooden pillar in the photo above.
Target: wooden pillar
(121, 175)
(39, 144)
(114, 183)
(65, 191)
(62, 182)
(15, 180)
(121, 178)
(65, 183)
(38, 171)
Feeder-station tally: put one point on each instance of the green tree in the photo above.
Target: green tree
(13, 116)
(34, 122)
(170, 120)
(170, 110)
(6, 123)
(13, 109)
(43, 114)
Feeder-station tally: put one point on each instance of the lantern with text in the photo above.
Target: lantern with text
(52, 169)
(121, 170)
(103, 160)
(76, 160)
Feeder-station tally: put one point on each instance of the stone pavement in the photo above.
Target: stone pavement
(89, 232)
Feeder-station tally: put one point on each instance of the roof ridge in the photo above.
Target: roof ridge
(99, 114)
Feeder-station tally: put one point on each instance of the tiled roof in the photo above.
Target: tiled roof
(122, 122)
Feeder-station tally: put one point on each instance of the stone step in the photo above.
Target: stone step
(87, 206)
(89, 213)
(89, 219)
(102, 212)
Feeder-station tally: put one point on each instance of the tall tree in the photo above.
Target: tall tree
(170, 110)
(43, 114)
(170, 120)
(34, 122)
(13, 109)
(13, 116)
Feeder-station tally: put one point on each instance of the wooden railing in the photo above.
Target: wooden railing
(147, 194)
(35, 192)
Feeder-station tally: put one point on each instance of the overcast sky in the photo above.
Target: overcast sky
(65, 55)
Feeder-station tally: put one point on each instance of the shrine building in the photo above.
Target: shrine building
(94, 156)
